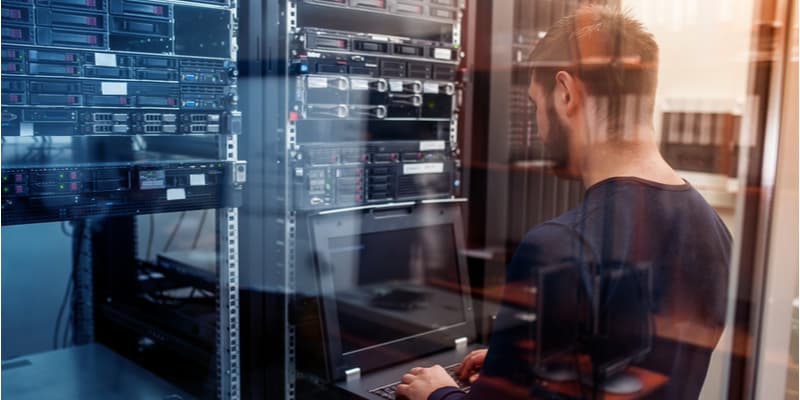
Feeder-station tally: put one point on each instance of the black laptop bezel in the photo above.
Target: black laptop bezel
(326, 226)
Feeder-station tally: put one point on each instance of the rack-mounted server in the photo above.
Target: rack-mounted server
(52, 193)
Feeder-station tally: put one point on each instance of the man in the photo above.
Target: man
(593, 87)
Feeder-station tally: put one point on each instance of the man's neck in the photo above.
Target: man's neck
(640, 159)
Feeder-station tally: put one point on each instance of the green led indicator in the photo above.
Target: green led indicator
(5, 178)
(61, 186)
(5, 190)
(60, 175)
(455, 46)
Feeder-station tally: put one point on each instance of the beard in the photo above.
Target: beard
(556, 146)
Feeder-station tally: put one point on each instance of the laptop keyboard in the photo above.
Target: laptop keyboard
(388, 391)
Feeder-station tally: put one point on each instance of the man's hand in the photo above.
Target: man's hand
(469, 368)
(419, 382)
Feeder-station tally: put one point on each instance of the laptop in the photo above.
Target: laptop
(394, 290)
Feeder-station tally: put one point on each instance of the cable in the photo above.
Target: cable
(150, 237)
(174, 231)
(67, 293)
(77, 236)
(64, 229)
(199, 229)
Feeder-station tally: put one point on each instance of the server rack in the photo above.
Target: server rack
(113, 109)
(346, 81)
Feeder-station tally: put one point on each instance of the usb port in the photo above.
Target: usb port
(152, 128)
(152, 117)
(170, 128)
(169, 117)
(120, 117)
(198, 118)
(213, 128)
(100, 117)
(102, 128)
(197, 128)
(213, 117)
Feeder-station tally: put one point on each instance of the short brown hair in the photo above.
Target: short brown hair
(610, 52)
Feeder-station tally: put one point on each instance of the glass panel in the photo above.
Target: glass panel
(544, 197)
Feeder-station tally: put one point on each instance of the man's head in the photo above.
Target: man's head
(593, 80)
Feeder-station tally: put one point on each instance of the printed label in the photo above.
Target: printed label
(424, 168)
(430, 87)
(443, 54)
(176, 194)
(359, 84)
(197, 179)
(105, 60)
(315, 82)
(114, 88)
(430, 145)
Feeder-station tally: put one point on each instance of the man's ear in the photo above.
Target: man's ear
(568, 92)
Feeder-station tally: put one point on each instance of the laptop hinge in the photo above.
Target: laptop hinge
(461, 343)
(352, 374)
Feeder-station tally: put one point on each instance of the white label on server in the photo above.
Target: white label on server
(396, 85)
(429, 145)
(114, 88)
(105, 59)
(442, 54)
(26, 129)
(316, 82)
(423, 168)
(430, 87)
(176, 194)
(359, 84)
(197, 179)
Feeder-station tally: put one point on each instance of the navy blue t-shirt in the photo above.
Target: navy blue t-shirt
(622, 221)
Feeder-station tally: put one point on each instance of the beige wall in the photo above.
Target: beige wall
(704, 47)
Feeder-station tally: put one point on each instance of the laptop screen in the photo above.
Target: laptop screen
(393, 285)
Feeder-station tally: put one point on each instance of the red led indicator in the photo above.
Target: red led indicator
(293, 116)
(71, 99)
(73, 186)
(91, 21)
(91, 39)
(18, 178)
(123, 100)
(73, 175)
(158, 10)
(18, 189)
